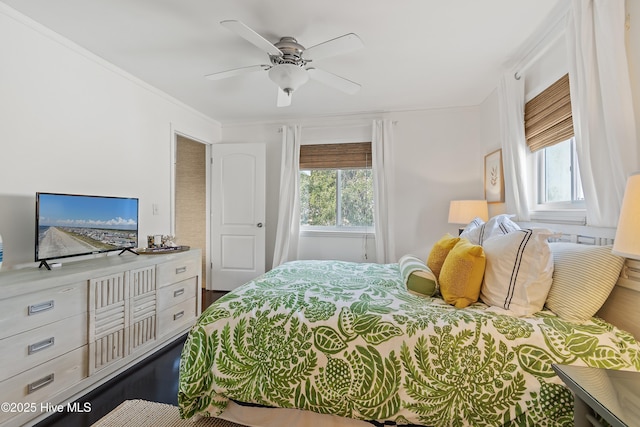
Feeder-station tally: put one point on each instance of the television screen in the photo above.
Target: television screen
(70, 225)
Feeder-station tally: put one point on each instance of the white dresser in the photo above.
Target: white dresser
(66, 331)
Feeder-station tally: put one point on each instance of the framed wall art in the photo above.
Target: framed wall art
(493, 177)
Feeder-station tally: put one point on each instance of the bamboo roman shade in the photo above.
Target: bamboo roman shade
(355, 155)
(547, 117)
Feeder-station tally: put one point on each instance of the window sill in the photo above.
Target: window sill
(335, 232)
(560, 216)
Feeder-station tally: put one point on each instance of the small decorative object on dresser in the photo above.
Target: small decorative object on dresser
(162, 250)
(493, 177)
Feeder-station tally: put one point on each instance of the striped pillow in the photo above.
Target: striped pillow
(417, 277)
(583, 278)
(519, 271)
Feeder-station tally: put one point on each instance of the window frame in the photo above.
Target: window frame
(570, 212)
(338, 230)
(549, 121)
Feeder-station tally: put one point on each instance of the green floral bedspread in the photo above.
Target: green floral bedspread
(348, 339)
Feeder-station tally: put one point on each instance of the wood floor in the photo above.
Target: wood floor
(154, 379)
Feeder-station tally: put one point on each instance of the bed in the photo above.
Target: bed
(350, 341)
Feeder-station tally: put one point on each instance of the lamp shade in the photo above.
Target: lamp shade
(288, 77)
(627, 242)
(464, 211)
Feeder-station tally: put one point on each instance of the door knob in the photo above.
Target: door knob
(259, 225)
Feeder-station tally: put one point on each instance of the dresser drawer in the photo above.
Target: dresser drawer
(177, 293)
(30, 311)
(31, 348)
(44, 381)
(179, 316)
(177, 270)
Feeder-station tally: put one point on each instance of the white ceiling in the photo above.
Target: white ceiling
(418, 54)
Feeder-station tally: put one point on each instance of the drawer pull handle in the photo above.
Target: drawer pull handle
(178, 315)
(36, 347)
(178, 292)
(36, 385)
(181, 270)
(39, 308)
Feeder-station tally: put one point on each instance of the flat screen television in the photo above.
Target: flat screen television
(72, 225)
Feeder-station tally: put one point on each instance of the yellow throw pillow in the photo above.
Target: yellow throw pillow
(439, 253)
(461, 275)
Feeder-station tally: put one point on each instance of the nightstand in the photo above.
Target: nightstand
(614, 395)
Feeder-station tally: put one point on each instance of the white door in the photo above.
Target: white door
(237, 214)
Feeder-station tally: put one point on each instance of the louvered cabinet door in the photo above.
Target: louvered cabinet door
(143, 307)
(108, 320)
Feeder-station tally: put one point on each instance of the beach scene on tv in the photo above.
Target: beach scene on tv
(74, 225)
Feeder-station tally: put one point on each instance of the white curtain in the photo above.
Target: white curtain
(288, 228)
(383, 185)
(514, 146)
(602, 106)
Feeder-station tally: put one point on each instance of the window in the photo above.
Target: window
(549, 134)
(559, 177)
(336, 187)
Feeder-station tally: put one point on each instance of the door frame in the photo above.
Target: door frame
(172, 217)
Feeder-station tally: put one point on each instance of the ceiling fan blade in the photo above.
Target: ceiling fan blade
(236, 71)
(339, 45)
(333, 80)
(251, 36)
(284, 98)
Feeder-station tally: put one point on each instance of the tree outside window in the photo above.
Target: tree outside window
(339, 198)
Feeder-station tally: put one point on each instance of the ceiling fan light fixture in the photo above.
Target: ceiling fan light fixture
(289, 59)
(288, 77)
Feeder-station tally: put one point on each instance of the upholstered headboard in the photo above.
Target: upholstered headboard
(623, 305)
(622, 308)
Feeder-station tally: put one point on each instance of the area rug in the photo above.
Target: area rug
(141, 413)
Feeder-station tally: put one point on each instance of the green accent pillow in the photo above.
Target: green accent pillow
(418, 278)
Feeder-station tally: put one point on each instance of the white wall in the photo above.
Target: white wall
(458, 159)
(490, 137)
(438, 155)
(550, 66)
(73, 123)
(348, 249)
(547, 69)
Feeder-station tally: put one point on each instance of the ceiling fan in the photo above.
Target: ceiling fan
(289, 67)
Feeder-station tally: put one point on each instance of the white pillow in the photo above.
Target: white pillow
(583, 278)
(519, 271)
(473, 225)
(477, 232)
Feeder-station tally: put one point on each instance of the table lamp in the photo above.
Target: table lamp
(464, 211)
(627, 241)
